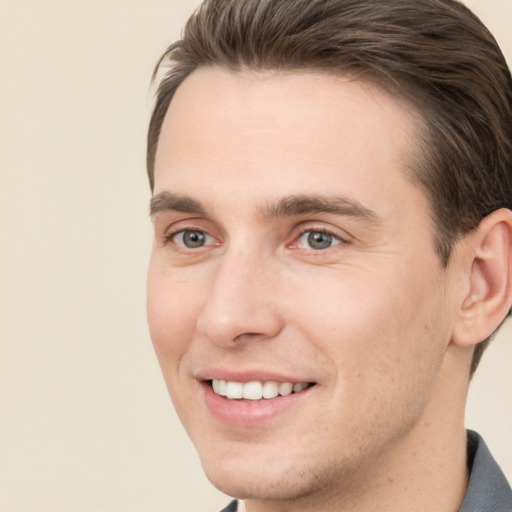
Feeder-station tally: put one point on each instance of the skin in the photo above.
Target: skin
(370, 319)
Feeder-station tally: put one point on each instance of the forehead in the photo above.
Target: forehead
(289, 132)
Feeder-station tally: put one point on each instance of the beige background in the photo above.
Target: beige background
(85, 421)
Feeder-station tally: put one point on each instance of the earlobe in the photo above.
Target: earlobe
(489, 295)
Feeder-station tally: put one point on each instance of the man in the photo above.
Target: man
(332, 185)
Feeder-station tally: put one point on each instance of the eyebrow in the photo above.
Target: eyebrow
(288, 206)
(166, 201)
(303, 204)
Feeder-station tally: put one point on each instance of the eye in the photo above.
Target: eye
(317, 240)
(191, 239)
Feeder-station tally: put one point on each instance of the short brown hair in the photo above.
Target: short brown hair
(435, 53)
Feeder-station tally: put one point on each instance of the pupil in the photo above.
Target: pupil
(319, 240)
(193, 239)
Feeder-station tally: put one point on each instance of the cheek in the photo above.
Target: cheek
(378, 328)
(383, 348)
(171, 316)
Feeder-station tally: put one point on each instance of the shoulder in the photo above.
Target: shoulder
(488, 489)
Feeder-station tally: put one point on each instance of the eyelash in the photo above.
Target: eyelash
(334, 239)
(171, 237)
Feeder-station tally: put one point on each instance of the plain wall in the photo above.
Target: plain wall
(85, 420)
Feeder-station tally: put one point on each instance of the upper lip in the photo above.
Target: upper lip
(247, 376)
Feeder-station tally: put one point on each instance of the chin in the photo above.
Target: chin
(251, 485)
(253, 478)
(240, 476)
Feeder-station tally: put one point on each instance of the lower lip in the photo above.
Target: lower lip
(250, 413)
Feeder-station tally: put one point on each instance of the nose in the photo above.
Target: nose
(241, 304)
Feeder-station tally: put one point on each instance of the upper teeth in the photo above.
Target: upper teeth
(255, 390)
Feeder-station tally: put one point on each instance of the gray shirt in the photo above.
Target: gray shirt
(488, 489)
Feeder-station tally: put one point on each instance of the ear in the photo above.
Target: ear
(489, 295)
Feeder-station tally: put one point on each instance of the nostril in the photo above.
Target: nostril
(248, 336)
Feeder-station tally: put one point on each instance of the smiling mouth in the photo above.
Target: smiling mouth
(256, 390)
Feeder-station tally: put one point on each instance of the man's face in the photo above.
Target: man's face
(291, 248)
